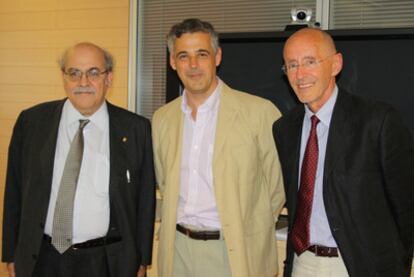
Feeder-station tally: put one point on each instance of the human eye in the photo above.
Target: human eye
(310, 63)
(74, 73)
(203, 54)
(292, 66)
(182, 56)
(93, 72)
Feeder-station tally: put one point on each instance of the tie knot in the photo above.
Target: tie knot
(314, 121)
(82, 123)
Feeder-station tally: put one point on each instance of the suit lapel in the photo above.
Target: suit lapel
(293, 139)
(118, 136)
(48, 132)
(175, 140)
(225, 118)
(340, 130)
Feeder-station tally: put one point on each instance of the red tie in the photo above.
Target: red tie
(300, 231)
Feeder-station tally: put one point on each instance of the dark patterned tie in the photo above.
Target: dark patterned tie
(63, 217)
(300, 231)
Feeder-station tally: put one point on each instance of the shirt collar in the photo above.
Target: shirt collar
(210, 104)
(325, 112)
(99, 118)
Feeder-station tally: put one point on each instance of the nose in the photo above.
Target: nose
(193, 62)
(84, 81)
(300, 71)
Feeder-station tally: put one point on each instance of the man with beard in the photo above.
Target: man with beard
(79, 197)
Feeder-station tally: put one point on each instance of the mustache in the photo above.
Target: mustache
(84, 90)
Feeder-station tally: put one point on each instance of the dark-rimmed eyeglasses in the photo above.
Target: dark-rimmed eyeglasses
(75, 75)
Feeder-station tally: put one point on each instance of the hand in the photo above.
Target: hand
(142, 271)
(10, 269)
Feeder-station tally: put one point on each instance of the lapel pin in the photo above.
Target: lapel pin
(124, 139)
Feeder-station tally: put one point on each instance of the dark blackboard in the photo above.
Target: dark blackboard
(378, 63)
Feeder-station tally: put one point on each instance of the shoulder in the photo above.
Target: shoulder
(293, 116)
(363, 109)
(168, 110)
(126, 117)
(43, 112)
(361, 103)
(44, 108)
(249, 103)
(245, 99)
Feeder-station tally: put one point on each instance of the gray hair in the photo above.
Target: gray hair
(192, 25)
(109, 60)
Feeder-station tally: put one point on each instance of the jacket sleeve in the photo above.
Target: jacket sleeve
(12, 193)
(146, 207)
(397, 158)
(270, 159)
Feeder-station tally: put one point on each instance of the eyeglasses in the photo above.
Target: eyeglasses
(309, 63)
(75, 75)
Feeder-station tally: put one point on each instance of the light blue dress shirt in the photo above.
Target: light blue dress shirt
(320, 233)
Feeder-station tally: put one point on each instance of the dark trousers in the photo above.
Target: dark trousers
(89, 262)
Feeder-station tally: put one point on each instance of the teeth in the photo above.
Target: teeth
(305, 85)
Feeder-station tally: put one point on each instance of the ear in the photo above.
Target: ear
(172, 62)
(108, 79)
(337, 64)
(218, 56)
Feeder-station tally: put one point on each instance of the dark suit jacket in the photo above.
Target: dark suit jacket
(29, 179)
(368, 184)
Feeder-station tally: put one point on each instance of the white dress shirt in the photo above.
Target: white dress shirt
(91, 204)
(197, 203)
(320, 232)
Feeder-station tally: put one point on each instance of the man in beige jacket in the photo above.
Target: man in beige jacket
(217, 168)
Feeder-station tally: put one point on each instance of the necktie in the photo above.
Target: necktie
(300, 230)
(63, 216)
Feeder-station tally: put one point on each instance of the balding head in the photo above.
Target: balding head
(312, 37)
(312, 64)
(106, 56)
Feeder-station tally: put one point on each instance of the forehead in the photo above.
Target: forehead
(308, 45)
(84, 57)
(193, 40)
(299, 51)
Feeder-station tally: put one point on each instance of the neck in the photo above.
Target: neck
(195, 100)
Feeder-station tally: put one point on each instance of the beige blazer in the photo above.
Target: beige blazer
(247, 180)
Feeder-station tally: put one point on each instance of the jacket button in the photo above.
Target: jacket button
(42, 225)
(34, 256)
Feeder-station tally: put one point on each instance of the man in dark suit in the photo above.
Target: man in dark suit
(348, 168)
(111, 227)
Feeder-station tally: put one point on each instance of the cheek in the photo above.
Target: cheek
(291, 79)
(69, 87)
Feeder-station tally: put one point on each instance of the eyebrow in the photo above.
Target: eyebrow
(181, 52)
(74, 68)
(197, 51)
(304, 58)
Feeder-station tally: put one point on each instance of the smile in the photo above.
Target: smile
(305, 85)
